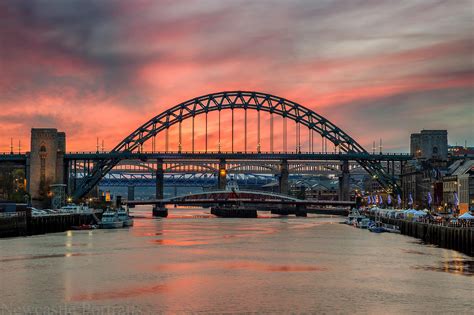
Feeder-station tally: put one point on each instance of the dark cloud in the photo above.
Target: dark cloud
(404, 113)
(42, 37)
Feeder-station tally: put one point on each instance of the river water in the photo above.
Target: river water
(194, 262)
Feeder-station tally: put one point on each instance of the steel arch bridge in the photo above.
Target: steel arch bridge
(231, 100)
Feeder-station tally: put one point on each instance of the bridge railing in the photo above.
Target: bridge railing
(8, 153)
(13, 153)
(232, 152)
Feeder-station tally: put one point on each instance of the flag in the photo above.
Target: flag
(380, 199)
(399, 200)
(456, 199)
(430, 200)
(369, 201)
(389, 200)
(410, 200)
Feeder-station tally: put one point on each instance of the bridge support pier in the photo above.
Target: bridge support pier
(283, 211)
(300, 211)
(344, 182)
(233, 212)
(131, 195)
(160, 179)
(222, 176)
(160, 211)
(284, 177)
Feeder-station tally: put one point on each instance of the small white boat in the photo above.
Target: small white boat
(391, 228)
(124, 217)
(110, 220)
(364, 223)
(353, 216)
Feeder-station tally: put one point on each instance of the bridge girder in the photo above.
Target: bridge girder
(236, 167)
(181, 179)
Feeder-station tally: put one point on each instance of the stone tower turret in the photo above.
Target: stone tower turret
(46, 163)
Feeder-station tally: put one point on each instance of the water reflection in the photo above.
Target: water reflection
(458, 267)
(416, 252)
(119, 293)
(34, 257)
(249, 265)
(243, 265)
(170, 242)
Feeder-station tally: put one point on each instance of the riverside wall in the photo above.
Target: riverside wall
(457, 238)
(23, 224)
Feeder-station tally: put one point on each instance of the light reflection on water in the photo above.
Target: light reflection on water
(458, 267)
(193, 262)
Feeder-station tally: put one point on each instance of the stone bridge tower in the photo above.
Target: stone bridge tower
(46, 164)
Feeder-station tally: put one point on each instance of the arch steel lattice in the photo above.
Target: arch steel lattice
(236, 100)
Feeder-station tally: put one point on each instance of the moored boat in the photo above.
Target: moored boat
(364, 223)
(353, 216)
(377, 229)
(124, 217)
(84, 227)
(110, 220)
(391, 228)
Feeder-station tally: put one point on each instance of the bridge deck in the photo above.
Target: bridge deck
(8, 157)
(238, 156)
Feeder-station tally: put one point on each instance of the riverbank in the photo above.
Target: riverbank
(24, 224)
(457, 238)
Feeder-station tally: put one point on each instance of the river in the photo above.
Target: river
(193, 262)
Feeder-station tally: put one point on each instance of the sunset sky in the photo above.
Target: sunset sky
(102, 68)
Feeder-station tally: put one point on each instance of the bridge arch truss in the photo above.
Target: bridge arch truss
(260, 102)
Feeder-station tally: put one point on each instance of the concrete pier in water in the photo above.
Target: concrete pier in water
(283, 211)
(231, 212)
(160, 211)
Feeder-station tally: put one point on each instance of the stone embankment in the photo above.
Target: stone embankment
(457, 238)
(23, 223)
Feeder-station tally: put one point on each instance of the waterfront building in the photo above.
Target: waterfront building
(323, 191)
(371, 185)
(459, 180)
(457, 150)
(317, 187)
(450, 186)
(423, 175)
